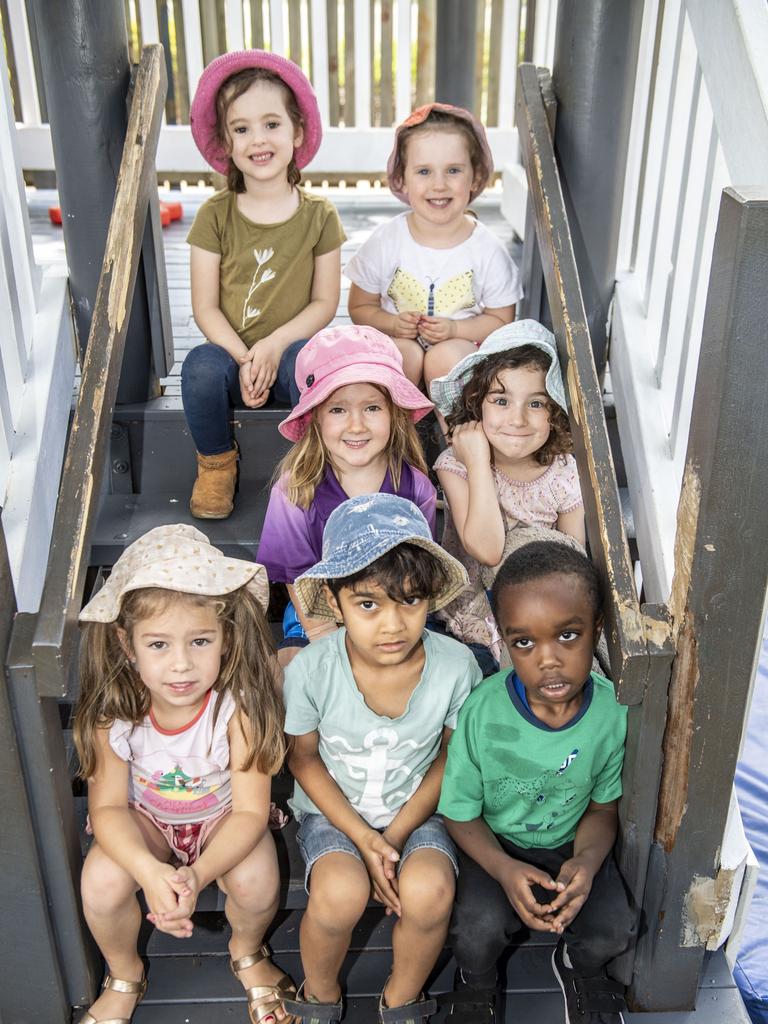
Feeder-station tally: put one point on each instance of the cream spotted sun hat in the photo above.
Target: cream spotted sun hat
(176, 557)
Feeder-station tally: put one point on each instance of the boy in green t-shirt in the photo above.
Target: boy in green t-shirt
(530, 794)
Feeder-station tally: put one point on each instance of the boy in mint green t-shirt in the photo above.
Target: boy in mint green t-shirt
(530, 794)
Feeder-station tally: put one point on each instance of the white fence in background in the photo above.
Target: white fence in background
(369, 62)
(700, 123)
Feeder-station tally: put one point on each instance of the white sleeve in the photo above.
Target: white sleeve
(499, 279)
(368, 267)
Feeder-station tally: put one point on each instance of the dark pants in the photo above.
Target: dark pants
(210, 387)
(484, 921)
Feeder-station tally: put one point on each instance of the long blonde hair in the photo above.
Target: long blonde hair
(111, 689)
(305, 463)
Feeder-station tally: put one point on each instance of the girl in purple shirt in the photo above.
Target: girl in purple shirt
(354, 434)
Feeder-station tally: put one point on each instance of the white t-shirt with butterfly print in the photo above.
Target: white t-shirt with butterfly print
(464, 281)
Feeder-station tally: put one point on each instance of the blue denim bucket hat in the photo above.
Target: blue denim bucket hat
(446, 391)
(363, 529)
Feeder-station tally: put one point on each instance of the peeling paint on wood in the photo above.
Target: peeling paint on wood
(705, 908)
(678, 737)
(605, 528)
(685, 541)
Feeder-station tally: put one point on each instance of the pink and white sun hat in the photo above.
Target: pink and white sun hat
(202, 115)
(337, 356)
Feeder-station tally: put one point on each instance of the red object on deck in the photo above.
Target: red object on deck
(174, 208)
(168, 212)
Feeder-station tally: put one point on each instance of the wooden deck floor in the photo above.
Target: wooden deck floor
(361, 211)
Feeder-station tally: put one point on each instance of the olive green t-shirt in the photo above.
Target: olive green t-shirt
(265, 278)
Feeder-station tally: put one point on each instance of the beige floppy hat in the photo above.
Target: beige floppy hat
(175, 557)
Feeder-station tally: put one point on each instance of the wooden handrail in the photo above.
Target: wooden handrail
(625, 627)
(83, 469)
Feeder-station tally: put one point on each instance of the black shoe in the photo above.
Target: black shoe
(470, 1003)
(595, 999)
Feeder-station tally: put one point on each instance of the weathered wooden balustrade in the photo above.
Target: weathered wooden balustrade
(685, 666)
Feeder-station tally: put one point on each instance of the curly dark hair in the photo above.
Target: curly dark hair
(485, 375)
(234, 87)
(543, 558)
(405, 572)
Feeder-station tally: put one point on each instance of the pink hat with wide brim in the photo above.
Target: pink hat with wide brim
(202, 115)
(419, 116)
(337, 356)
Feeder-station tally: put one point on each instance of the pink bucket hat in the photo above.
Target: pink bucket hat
(337, 356)
(419, 116)
(202, 115)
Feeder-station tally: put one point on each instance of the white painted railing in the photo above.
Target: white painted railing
(700, 123)
(334, 41)
(37, 366)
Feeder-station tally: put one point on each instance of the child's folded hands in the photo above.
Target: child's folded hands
(380, 860)
(575, 879)
(517, 880)
(437, 328)
(171, 896)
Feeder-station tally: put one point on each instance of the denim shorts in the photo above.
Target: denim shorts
(317, 836)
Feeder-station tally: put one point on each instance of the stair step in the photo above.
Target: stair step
(123, 518)
(718, 1000)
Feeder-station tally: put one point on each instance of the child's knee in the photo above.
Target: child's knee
(427, 885)
(339, 890)
(204, 366)
(251, 887)
(413, 359)
(104, 885)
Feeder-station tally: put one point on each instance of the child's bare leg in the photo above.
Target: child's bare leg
(338, 894)
(413, 359)
(114, 917)
(252, 890)
(441, 359)
(427, 885)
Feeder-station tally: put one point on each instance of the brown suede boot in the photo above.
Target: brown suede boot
(215, 485)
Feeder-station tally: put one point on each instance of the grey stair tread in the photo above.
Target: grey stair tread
(124, 517)
(718, 1005)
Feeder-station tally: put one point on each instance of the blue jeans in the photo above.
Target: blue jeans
(210, 388)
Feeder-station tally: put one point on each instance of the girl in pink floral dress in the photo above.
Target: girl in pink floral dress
(508, 465)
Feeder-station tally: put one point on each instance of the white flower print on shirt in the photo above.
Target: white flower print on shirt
(261, 256)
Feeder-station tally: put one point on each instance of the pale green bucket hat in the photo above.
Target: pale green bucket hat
(446, 391)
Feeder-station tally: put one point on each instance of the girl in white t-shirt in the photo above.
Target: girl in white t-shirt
(179, 731)
(435, 279)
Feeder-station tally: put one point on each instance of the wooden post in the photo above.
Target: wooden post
(625, 628)
(717, 606)
(84, 464)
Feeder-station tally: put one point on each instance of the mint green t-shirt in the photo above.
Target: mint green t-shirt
(532, 784)
(377, 762)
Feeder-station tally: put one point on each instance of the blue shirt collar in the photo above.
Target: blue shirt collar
(519, 698)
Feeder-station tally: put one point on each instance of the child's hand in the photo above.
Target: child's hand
(437, 328)
(470, 445)
(163, 901)
(186, 885)
(261, 362)
(380, 859)
(576, 879)
(517, 882)
(247, 392)
(405, 325)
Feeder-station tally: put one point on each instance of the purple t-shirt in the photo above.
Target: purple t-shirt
(292, 537)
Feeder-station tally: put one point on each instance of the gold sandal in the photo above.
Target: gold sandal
(117, 985)
(261, 1012)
